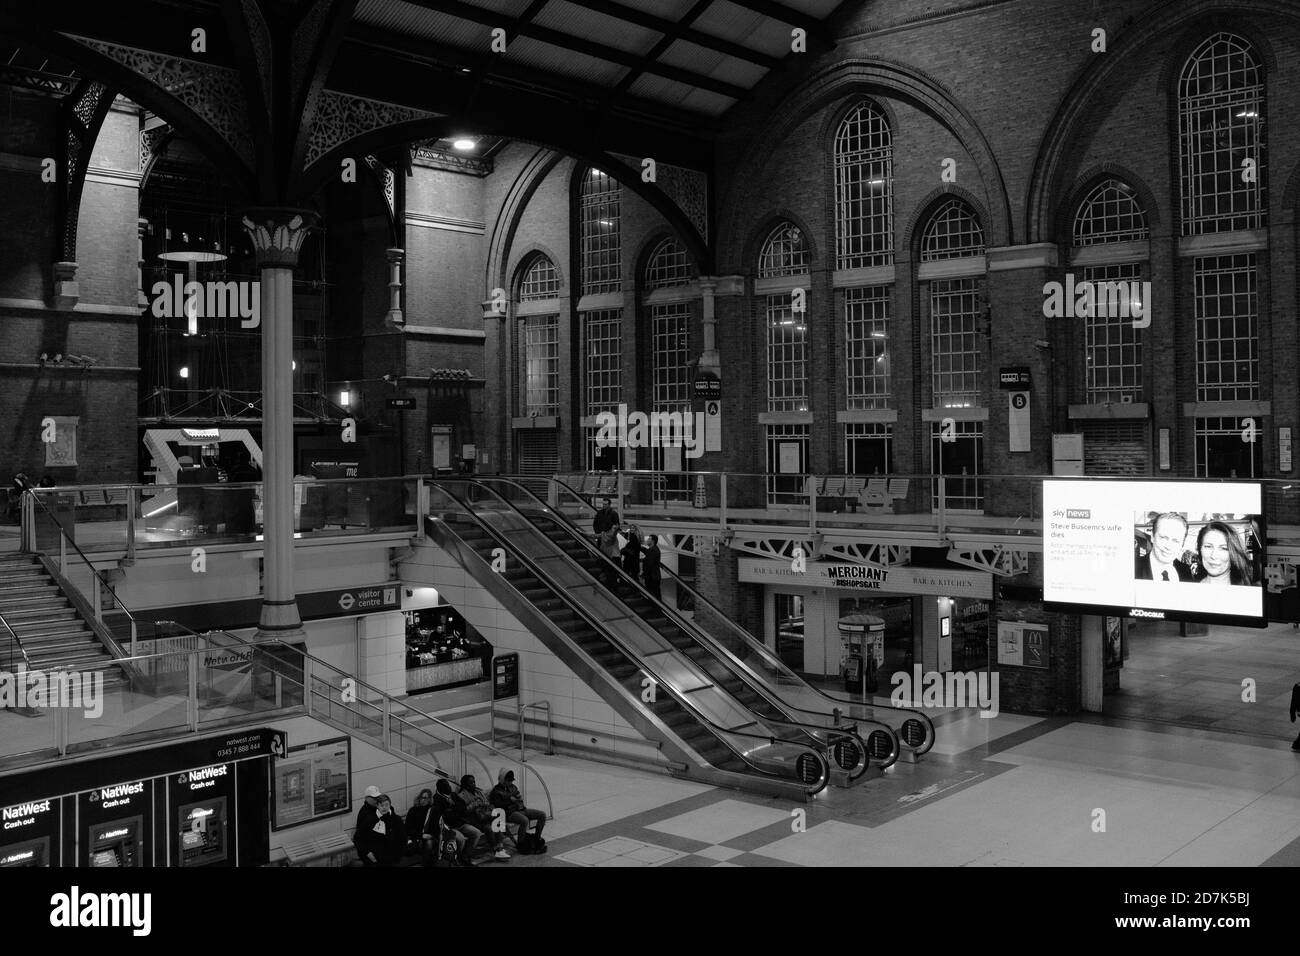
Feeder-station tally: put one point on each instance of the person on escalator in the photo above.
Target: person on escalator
(605, 518)
(632, 553)
(607, 542)
(650, 565)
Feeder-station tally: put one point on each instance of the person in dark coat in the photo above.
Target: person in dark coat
(389, 835)
(632, 554)
(1295, 709)
(418, 819)
(605, 518)
(650, 566)
(506, 796)
(454, 816)
(364, 837)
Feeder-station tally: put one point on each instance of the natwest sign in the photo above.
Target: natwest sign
(863, 577)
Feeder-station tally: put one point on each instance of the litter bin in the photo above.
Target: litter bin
(63, 507)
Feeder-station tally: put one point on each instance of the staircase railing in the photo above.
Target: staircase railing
(98, 583)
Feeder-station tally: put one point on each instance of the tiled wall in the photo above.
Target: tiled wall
(543, 676)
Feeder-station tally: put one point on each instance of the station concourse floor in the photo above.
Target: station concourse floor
(1005, 791)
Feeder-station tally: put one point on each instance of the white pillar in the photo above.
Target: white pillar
(277, 236)
(394, 317)
(710, 360)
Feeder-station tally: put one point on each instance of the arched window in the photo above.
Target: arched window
(1112, 342)
(669, 312)
(785, 256)
(864, 190)
(1221, 137)
(956, 350)
(669, 265)
(539, 338)
(540, 280)
(1110, 213)
(953, 232)
(785, 253)
(601, 201)
(601, 249)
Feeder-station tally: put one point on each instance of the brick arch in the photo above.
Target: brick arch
(525, 261)
(224, 157)
(532, 130)
(1101, 82)
(880, 80)
(928, 206)
(1064, 226)
(509, 213)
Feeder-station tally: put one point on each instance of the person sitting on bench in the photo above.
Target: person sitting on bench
(506, 796)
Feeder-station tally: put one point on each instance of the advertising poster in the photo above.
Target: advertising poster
(1112, 638)
(1190, 551)
(1023, 645)
(311, 782)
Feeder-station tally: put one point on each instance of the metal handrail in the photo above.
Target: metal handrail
(755, 644)
(66, 539)
(742, 670)
(317, 663)
(562, 594)
(18, 641)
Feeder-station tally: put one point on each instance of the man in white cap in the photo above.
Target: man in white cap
(364, 835)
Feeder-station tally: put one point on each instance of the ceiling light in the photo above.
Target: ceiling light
(464, 144)
(185, 371)
(345, 398)
(1247, 114)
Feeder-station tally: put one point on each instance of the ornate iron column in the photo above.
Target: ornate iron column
(277, 236)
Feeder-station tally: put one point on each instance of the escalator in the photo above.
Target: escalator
(771, 694)
(911, 728)
(661, 692)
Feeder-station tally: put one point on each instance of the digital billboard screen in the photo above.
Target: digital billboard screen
(1182, 551)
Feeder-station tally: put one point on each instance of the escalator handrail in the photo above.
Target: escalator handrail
(753, 681)
(702, 638)
(752, 641)
(561, 593)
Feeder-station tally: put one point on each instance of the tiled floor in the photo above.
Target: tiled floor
(1099, 792)
(1198, 679)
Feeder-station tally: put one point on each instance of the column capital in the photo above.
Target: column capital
(278, 234)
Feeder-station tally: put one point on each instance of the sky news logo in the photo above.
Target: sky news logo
(220, 300)
(41, 690)
(954, 689)
(77, 910)
(655, 430)
(1090, 300)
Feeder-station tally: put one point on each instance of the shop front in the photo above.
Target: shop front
(443, 650)
(937, 617)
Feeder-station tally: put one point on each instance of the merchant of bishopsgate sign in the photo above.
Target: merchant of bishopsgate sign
(864, 577)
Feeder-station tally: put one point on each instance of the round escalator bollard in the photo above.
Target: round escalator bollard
(846, 753)
(808, 768)
(912, 732)
(879, 745)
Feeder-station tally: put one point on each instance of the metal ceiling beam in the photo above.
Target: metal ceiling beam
(814, 27)
(667, 40)
(566, 41)
(698, 37)
(371, 60)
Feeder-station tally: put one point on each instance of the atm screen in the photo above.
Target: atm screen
(203, 832)
(31, 853)
(116, 843)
